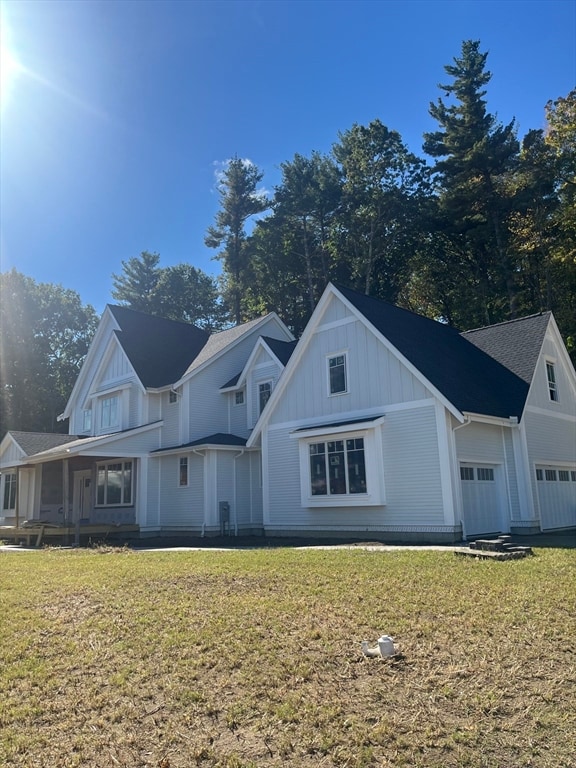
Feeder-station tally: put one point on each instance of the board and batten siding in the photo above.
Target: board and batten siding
(539, 396)
(375, 377)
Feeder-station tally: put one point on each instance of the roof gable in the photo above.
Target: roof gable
(158, 349)
(470, 379)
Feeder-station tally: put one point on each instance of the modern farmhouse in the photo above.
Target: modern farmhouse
(378, 422)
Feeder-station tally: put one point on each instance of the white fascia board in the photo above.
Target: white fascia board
(499, 421)
(106, 325)
(553, 333)
(319, 431)
(292, 363)
(202, 447)
(412, 368)
(218, 355)
(86, 446)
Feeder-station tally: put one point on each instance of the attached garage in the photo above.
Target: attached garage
(556, 496)
(482, 499)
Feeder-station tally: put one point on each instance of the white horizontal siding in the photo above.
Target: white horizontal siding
(182, 507)
(480, 443)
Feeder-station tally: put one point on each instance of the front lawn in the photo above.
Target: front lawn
(252, 658)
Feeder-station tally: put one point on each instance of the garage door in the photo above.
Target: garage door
(482, 501)
(556, 496)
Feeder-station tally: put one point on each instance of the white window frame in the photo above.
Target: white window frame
(110, 411)
(183, 462)
(87, 420)
(373, 460)
(105, 466)
(332, 356)
(261, 384)
(239, 393)
(172, 397)
(10, 490)
(552, 380)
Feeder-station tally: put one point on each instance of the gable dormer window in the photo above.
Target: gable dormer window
(337, 378)
(551, 377)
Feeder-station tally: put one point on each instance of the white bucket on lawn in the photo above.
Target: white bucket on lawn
(386, 645)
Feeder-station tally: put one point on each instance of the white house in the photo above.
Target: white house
(377, 422)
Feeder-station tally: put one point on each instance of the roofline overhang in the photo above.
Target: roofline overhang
(483, 418)
(198, 447)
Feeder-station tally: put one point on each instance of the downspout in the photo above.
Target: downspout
(467, 422)
(203, 455)
(241, 453)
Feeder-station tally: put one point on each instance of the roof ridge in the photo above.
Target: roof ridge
(508, 322)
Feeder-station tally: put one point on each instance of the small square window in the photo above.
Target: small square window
(173, 398)
(467, 473)
(563, 475)
(337, 374)
(239, 397)
(551, 475)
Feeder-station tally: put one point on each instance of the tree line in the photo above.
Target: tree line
(482, 231)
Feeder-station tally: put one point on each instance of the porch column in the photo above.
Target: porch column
(66, 491)
(17, 500)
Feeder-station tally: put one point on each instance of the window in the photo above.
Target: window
(337, 467)
(573, 476)
(264, 392)
(539, 475)
(109, 412)
(550, 475)
(552, 387)
(563, 475)
(9, 492)
(87, 420)
(485, 473)
(114, 484)
(239, 397)
(183, 474)
(337, 374)
(173, 397)
(467, 473)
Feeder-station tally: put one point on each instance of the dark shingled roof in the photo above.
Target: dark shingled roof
(219, 438)
(469, 378)
(159, 350)
(282, 349)
(516, 343)
(36, 442)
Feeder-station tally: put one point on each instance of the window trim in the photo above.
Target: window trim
(236, 394)
(105, 465)
(373, 461)
(87, 419)
(172, 397)
(259, 384)
(10, 489)
(551, 380)
(332, 356)
(110, 424)
(181, 465)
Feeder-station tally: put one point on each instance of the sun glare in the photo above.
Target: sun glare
(10, 67)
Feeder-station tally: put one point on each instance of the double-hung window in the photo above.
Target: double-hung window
(552, 385)
(114, 484)
(87, 420)
(183, 472)
(264, 392)
(337, 376)
(9, 500)
(109, 412)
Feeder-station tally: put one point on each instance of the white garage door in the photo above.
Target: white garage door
(556, 496)
(482, 499)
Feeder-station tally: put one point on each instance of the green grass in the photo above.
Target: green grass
(252, 658)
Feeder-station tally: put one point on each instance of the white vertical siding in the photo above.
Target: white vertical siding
(539, 396)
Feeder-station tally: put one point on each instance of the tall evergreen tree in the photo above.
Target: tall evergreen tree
(475, 154)
(239, 201)
(135, 287)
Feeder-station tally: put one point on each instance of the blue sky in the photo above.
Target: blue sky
(120, 112)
